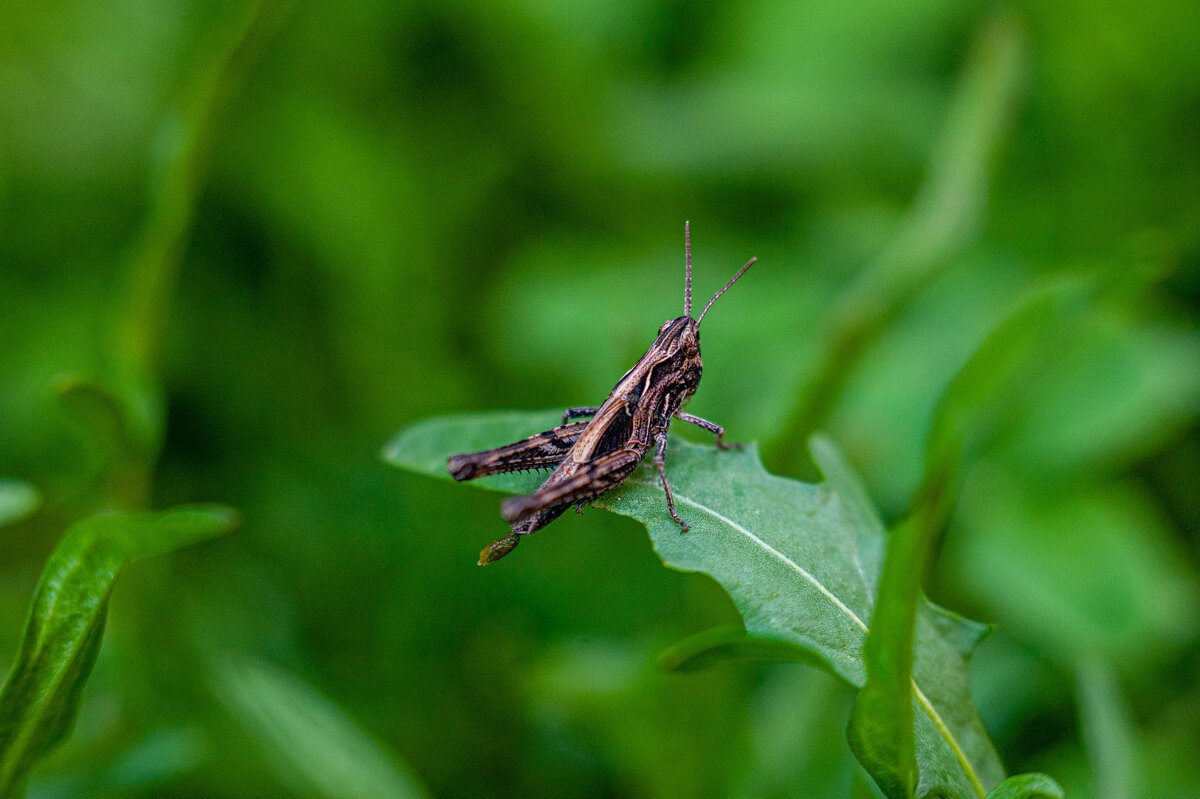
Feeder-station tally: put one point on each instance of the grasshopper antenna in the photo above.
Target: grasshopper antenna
(687, 280)
(732, 280)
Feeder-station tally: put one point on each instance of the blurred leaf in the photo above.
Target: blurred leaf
(313, 746)
(945, 214)
(604, 698)
(116, 426)
(157, 758)
(1027, 786)
(785, 551)
(123, 431)
(181, 148)
(62, 635)
(799, 755)
(18, 500)
(1109, 737)
(993, 386)
(1091, 570)
(1120, 384)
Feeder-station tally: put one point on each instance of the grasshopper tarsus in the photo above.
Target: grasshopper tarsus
(593, 457)
(498, 549)
(461, 468)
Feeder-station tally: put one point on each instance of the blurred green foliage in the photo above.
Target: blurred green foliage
(240, 245)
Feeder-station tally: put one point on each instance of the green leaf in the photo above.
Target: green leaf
(40, 698)
(313, 747)
(799, 560)
(18, 500)
(1027, 786)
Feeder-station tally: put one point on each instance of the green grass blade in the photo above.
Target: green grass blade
(1109, 737)
(312, 746)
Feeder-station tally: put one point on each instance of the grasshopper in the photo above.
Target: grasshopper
(593, 457)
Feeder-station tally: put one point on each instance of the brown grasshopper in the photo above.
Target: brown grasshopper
(593, 457)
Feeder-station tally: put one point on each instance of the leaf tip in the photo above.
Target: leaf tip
(390, 452)
(206, 520)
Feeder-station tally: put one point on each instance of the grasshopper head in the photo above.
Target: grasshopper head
(679, 343)
(679, 335)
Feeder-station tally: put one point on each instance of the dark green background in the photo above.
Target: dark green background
(379, 212)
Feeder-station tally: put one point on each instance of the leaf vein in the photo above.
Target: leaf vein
(807, 575)
(948, 736)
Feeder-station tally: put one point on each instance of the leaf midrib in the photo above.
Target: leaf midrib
(922, 699)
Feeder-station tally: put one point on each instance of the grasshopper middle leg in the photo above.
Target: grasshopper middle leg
(660, 460)
(711, 427)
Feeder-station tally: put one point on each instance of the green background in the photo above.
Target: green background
(285, 231)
